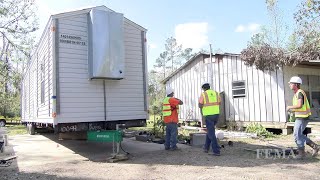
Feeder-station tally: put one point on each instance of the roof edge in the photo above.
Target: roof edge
(182, 67)
(194, 58)
(86, 10)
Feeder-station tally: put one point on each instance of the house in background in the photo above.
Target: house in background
(250, 95)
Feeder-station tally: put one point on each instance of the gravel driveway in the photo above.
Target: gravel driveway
(45, 157)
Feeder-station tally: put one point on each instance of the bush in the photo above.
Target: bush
(259, 129)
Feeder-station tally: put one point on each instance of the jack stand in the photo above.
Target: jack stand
(116, 156)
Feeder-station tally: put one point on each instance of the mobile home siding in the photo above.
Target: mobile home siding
(186, 86)
(126, 98)
(256, 106)
(45, 56)
(81, 99)
(259, 104)
(264, 100)
(32, 108)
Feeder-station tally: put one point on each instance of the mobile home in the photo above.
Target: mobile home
(89, 72)
(250, 95)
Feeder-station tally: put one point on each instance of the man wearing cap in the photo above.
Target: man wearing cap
(170, 114)
(209, 104)
(301, 109)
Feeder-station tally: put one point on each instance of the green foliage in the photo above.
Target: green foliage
(173, 57)
(18, 23)
(259, 129)
(159, 127)
(156, 92)
(16, 129)
(274, 46)
(184, 134)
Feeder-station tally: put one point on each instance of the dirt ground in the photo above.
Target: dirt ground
(43, 156)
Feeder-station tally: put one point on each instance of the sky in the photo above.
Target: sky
(227, 25)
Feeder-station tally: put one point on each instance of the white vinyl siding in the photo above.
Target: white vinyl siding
(81, 99)
(37, 105)
(263, 100)
(125, 98)
(78, 98)
(76, 92)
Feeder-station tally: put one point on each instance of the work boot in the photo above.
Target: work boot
(214, 154)
(315, 148)
(301, 153)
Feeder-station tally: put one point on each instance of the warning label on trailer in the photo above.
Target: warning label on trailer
(71, 39)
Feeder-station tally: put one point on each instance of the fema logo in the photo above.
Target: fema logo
(276, 153)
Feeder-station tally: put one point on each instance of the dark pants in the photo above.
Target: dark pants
(211, 139)
(171, 136)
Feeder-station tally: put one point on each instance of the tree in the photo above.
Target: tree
(307, 35)
(168, 61)
(161, 63)
(17, 22)
(186, 54)
(173, 56)
(156, 92)
(304, 44)
(174, 51)
(155, 88)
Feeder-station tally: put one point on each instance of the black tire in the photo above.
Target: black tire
(3, 123)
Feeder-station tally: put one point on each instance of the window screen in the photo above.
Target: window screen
(238, 89)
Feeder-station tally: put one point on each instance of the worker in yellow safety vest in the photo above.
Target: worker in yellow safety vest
(209, 104)
(170, 109)
(301, 109)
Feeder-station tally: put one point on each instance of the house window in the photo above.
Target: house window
(238, 89)
(42, 82)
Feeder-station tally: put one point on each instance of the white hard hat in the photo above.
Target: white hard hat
(169, 90)
(295, 79)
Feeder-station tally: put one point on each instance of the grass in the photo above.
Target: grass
(150, 124)
(16, 129)
(141, 128)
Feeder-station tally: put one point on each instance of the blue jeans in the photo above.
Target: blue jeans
(211, 121)
(299, 126)
(171, 135)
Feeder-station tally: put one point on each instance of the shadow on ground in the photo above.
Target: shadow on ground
(10, 169)
(238, 155)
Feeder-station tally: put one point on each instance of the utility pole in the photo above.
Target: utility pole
(210, 68)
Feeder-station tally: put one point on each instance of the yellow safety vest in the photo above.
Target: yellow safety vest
(304, 111)
(166, 108)
(211, 103)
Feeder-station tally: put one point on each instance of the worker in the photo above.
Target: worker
(301, 109)
(170, 114)
(209, 104)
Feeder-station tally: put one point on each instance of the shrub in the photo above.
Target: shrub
(259, 129)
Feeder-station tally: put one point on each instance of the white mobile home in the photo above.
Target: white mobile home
(250, 95)
(88, 72)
